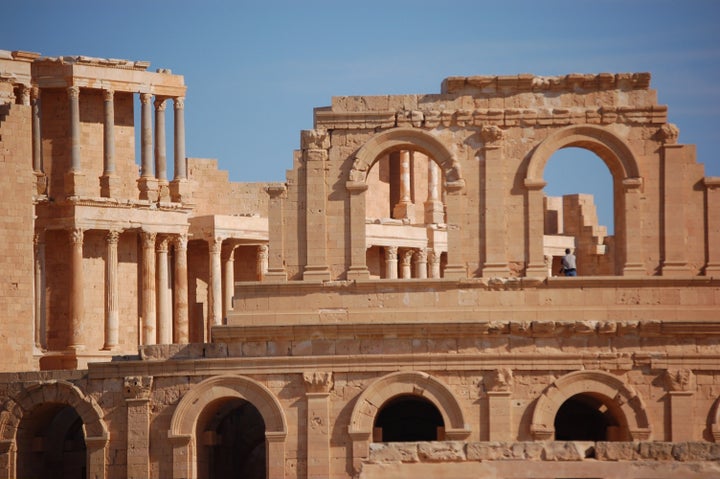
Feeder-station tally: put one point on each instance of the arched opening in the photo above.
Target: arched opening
(51, 443)
(579, 211)
(590, 417)
(231, 439)
(408, 418)
(405, 215)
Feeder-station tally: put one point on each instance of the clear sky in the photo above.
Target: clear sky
(255, 70)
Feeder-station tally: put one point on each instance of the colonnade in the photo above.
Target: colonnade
(406, 263)
(405, 207)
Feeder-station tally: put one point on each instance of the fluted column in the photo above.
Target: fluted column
(433, 206)
(181, 329)
(40, 283)
(38, 170)
(406, 264)
(214, 285)
(147, 293)
(112, 313)
(179, 187)
(161, 149)
(109, 181)
(75, 336)
(391, 262)
(262, 261)
(147, 184)
(421, 263)
(434, 263)
(228, 278)
(74, 174)
(164, 311)
(405, 208)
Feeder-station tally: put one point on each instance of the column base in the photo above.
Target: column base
(180, 191)
(494, 270)
(455, 271)
(712, 269)
(434, 212)
(536, 271)
(275, 276)
(633, 269)
(73, 181)
(358, 272)
(109, 186)
(164, 191)
(316, 273)
(148, 188)
(404, 210)
(675, 269)
(40, 183)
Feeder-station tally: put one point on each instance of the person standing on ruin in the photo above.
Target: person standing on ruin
(569, 266)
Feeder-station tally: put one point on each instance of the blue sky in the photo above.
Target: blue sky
(256, 70)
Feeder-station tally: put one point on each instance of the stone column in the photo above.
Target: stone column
(498, 387)
(675, 158)
(137, 401)
(96, 463)
(161, 149)
(214, 285)
(314, 150)
(228, 278)
(179, 187)
(633, 265)
(494, 211)
(163, 292)
(405, 207)
(712, 219)
(74, 176)
(75, 337)
(406, 264)
(317, 387)
(681, 385)
(38, 169)
(112, 312)
(181, 329)
(535, 229)
(262, 261)
(456, 267)
(147, 184)
(358, 249)
(147, 288)
(421, 263)
(40, 285)
(434, 263)
(433, 206)
(276, 236)
(391, 262)
(109, 182)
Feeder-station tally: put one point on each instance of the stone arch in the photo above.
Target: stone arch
(397, 138)
(715, 421)
(56, 392)
(595, 382)
(615, 152)
(413, 383)
(184, 420)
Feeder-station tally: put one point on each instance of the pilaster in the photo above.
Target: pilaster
(712, 219)
(499, 386)
(535, 229)
(681, 389)
(633, 228)
(315, 155)
(456, 206)
(674, 236)
(496, 190)
(318, 386)
(276, 235)
(358, 249)
(137, 402)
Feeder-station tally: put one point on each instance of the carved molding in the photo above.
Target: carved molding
(137, 387)
(668, 134)
(318, 382)
(315, 139)
(500, 380)
(679, 379)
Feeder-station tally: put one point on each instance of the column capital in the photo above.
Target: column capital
(318, 382)
(145, 98)
(632, 184)
(76, 235)
(137, 387)
(391, 252)
(407, 256)
(276, 191)
(180, 241)
(215, 243)
(108, 94)
(113, 236)
(160, 104)
(179, 102)
(500, 380)
(162, 244)
(148, 238)
(73, 92)
(34, 93)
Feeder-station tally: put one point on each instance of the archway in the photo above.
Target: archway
(196, 411)
(627, 183)
(50, 415)
(408, 418)
(579, 211)
(374, 150)
(403, 384)
(592, 389)
(588, 417)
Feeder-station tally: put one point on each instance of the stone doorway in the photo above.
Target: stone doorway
(51, 444)
(408, 418)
